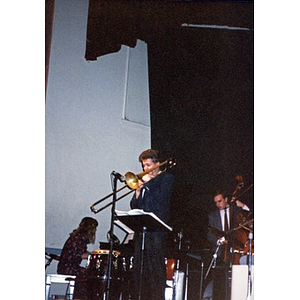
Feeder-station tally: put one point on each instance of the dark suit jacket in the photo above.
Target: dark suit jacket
(156, 199)
(214, 220)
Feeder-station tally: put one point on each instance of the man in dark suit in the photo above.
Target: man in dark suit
(224, 218)
(153, 195)
(217, 219)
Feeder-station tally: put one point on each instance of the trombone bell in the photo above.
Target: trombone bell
(132, 180)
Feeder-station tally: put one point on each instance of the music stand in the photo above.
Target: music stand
(142, 222)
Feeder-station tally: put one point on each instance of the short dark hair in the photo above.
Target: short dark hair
(150, 153)
(222, 192)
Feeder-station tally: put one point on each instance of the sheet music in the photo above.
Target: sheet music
(140, 212)
(128, 231)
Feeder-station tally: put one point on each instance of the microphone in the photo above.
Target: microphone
(118, 176)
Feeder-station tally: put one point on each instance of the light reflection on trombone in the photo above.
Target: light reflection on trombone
(132, 182)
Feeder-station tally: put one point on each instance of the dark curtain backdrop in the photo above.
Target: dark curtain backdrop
(201, 93)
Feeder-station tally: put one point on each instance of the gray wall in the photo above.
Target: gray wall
(97, 121)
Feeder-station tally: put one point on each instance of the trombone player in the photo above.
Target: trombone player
(152, 195)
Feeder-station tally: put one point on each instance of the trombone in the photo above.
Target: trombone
(132, 182)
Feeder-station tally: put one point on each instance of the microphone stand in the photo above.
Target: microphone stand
(176, 272)
(111, 238)
(249, 283)
(231, 241)
(213, 261)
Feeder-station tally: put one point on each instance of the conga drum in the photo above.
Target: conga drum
(99, 260)
(97, 272)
